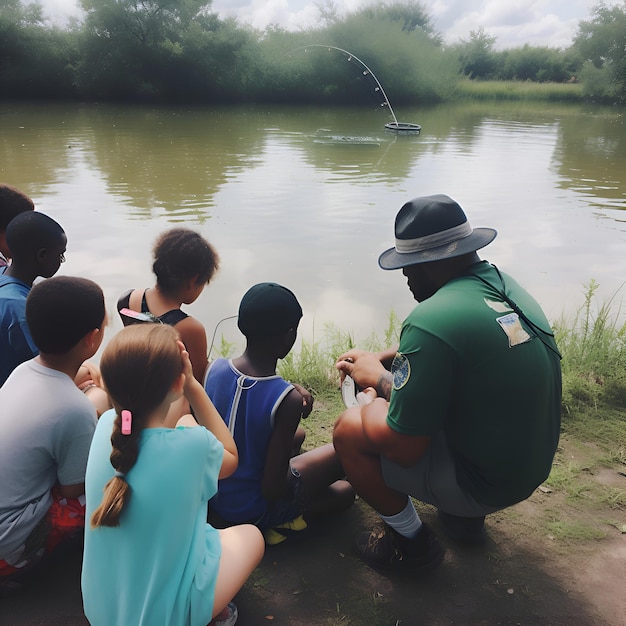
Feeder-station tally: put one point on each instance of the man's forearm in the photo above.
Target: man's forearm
(383, 385)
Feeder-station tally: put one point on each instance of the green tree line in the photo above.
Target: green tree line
(180, 51)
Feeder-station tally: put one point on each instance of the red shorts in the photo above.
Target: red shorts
(63, 520)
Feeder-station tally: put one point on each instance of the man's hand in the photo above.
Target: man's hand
(367, 396)
(363, 367)
(367, 370)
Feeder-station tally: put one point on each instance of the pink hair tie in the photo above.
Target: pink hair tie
(127, 422)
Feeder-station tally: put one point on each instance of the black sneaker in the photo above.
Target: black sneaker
(467, 530)
(385, 549)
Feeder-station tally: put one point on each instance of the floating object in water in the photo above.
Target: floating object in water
(347, 141)
(404, 128)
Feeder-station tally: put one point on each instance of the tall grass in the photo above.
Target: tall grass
(517, 90)
(593, 345)
(314, 365)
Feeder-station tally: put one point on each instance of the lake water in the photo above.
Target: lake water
(307, 196)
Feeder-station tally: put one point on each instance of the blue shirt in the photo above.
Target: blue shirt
(159, 566)
(16, 344)
(248, 406)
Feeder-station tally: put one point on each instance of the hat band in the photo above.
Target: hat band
(406, 246)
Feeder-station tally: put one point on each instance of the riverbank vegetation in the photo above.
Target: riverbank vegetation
(498, 90)
(593, 345)
(180, 51)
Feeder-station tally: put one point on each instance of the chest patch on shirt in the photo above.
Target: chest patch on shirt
(400, 370)
(513, 329)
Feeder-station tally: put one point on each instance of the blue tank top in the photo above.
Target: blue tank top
(248, 406)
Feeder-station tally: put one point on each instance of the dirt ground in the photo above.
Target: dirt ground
(523, 575)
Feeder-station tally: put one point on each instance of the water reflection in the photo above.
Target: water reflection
(307, 197)
(591, 159)
(34, 145)
(168, 162)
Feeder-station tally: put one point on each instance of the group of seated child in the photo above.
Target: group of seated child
(120, 445)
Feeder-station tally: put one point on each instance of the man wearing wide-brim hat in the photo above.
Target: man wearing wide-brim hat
(467, 418)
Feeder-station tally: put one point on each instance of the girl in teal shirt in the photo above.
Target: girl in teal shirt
(150, 557)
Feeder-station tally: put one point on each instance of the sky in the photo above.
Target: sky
(513, 22)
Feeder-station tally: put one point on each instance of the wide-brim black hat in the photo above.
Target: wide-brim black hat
(432, 228)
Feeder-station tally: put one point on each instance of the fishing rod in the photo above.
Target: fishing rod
(398, 127)
(365, 72)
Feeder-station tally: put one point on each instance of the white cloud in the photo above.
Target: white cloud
(261, 13)
(60, 10)
(512, 22)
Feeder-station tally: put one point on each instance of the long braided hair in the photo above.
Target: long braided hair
(139, 367)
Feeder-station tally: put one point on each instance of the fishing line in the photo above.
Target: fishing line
(230, 317)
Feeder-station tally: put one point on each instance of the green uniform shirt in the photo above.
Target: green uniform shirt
(468, 365)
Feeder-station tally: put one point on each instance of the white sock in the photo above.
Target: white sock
(406, 523)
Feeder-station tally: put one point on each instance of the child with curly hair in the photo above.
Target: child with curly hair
(184, 263)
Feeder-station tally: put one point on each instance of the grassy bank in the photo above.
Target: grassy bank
(517, 91)
(593, 344)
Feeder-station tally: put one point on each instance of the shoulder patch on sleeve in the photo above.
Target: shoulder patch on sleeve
(400, 370)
